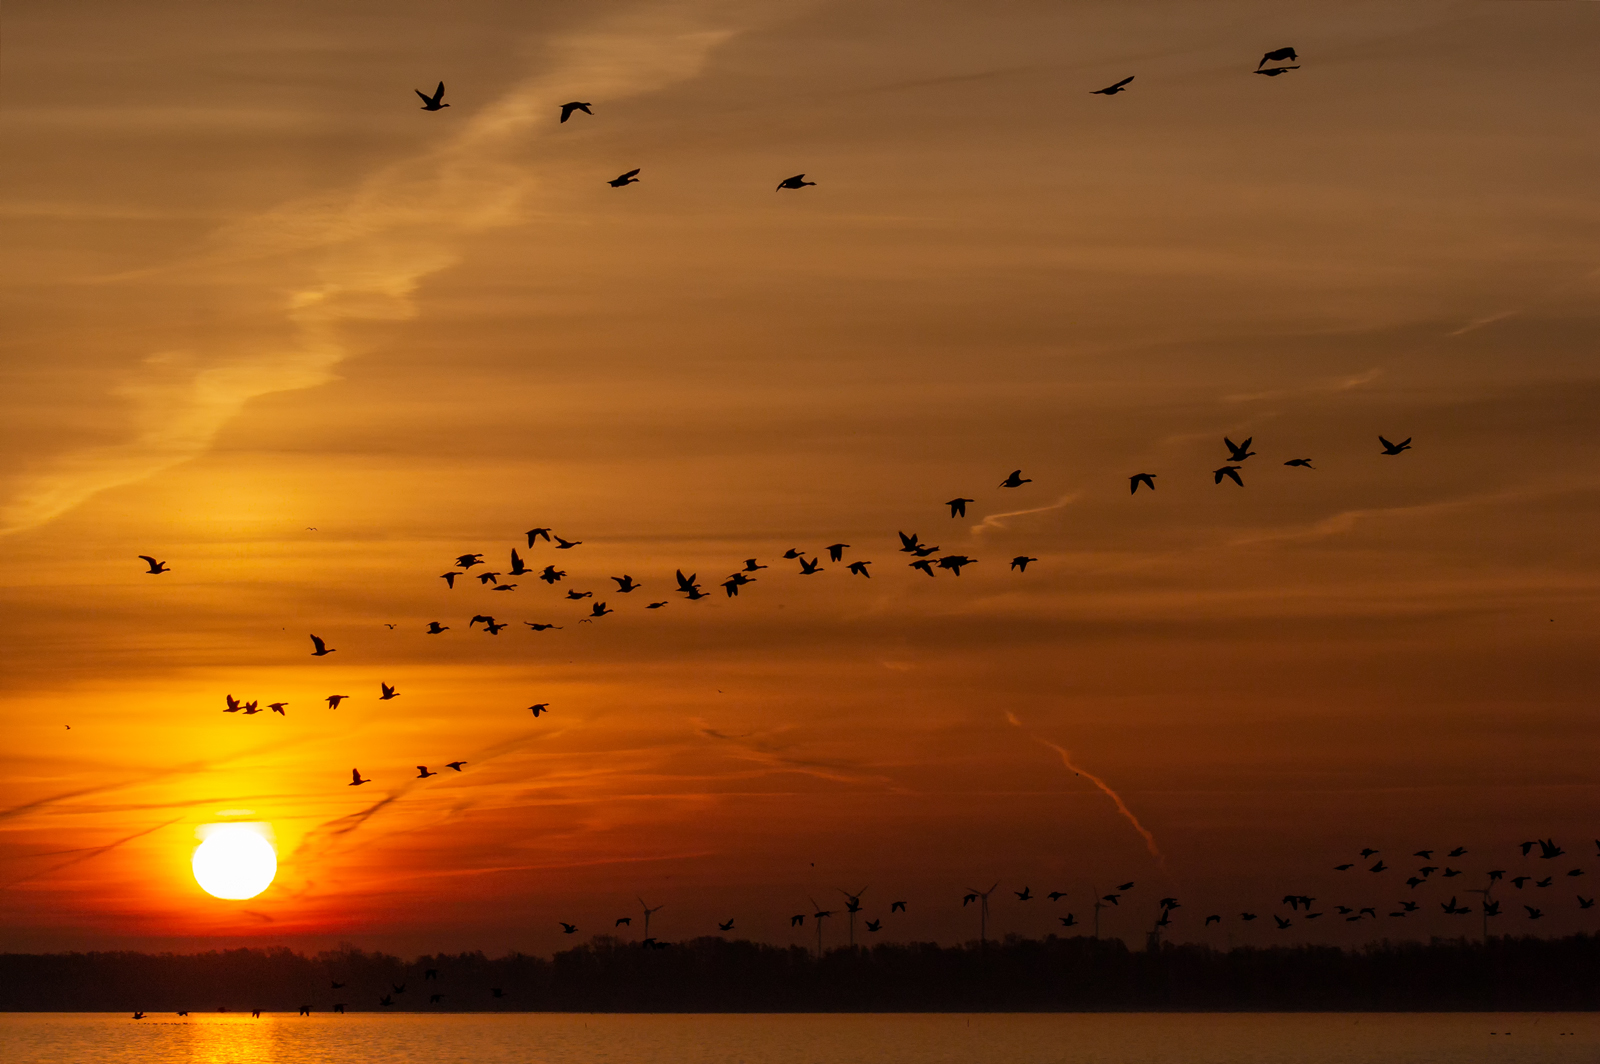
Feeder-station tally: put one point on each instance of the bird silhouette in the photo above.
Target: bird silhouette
(1230, 471)
(1112, 898)
(1147, 479)
(897, 906)
(1277, 55)
(925, 565)
(387, 692)
(568, 544)
(1545, 882)
(566, 928)
(1548, 850)
(435, 628)
(539, 707)
(504, 587)
(958, 507)
(568, 108)
(431, 103)
(874, 925)
(233, 704)
(487, 577)
(278, 707)
(1238, 452)
(537, 533)
(1303, 463)
(955, 562)
(250, 708)
(1213, 919)
(1273, 72)
(1021, 562)
(454, 764)
(1451, 873)
(750, 565)
(655, 605)
(1457, 852)
(792, 553)
(1025, 894)
(355, 778)
(156, 568)
(725, 927)
(1533, 914)
(1585, 903)
(1576, 872)
(1112, 90)
(551, 574)
(686, 584)
(731, 587)
(1343, 867)
(423, 773)
(797, 920)
(1125, 886)
(434, 999)
(923, 550)
(1247, 917)
(334, 700)
(797, 181)
(1069, 920)
(1016, 479)
(860, 569)
(517, 568)
(908, 544)
(623, 920)
(1379, 867)
(1056, 895)
(599, 610)
(467, 561)
(319, 648)
(1426, 855)
(1282, 923)
(694, 594)
(575, 595)
(836, 551)
(1395, 448)
(1367, 852)
(625, 584)
(628, 178)
(810, 568)
(542, 627)
(450, 579)
(493, 627)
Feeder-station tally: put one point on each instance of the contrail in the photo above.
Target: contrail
(1122, 807)
(86, 855)
(999, 520)
(360, 255)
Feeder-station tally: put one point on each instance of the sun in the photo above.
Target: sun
(235, 861)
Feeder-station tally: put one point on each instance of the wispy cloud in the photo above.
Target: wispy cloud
(374, 246)
(998, 521)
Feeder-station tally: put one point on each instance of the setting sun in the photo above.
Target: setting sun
(235, 861)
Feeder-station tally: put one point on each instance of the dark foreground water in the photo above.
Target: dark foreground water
(565, 1038)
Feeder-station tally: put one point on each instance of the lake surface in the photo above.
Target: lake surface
(988, 1038)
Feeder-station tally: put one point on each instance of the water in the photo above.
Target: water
(590, 1038)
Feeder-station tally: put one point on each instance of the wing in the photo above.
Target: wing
(1118, 85)
(633, 173)
(425, 98)
(316, 643)
(152, 561)
(438, 94)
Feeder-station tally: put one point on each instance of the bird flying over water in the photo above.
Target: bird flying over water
(1016, 479)
(797, 181)
(355, 778)
(1112, 90)
(958, 507)
(1229, 471)
(1147, 479)
(1277, 55)
(431, 103)
(320, 649)
(1395, 448)
(568, 108)
(628, 178)
(156, 568)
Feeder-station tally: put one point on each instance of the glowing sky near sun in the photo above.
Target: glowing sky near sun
(272, 323)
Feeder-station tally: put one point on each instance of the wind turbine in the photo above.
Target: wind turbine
(647, 912)
(852, 905)
(818, 914)
(983, 912)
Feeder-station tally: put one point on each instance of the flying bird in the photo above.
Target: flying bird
(1112, 90)
(1277, 55)
(897, 906)
(797, 920)
(792, 553)
(1147, 479)
(599, 610)
(542, 627)
(493, 627)
(908, 544)
(925, 565)
(625, 584)
(874, 925)
(1021, 562)
(725, 927)
(954, 562)
(566, 928)
(750, 565)
(958, 507)
(320, 649)
(450, 579)
(517, 568)
(567, 544)
(551, 574)
(575, 595)
(1457, 852)
(355, 778)
(431, 103)
(156, 568)
(1395, 448)
(731, 587)
(537, 533)
(655, 605)
(1230, 471)
(334, 700)
(686, 584)
(278, 708)
(836, 551)
(1125, 886)
(1367, 852)
(1238, 452)
(435, 628)
(1282, 923)
(423, 773)
(1069, 920)
(797, 181)
(467, 561)
(388, 692)
(628, 178)
(810, 568)
(455, 765)
(1379, 867)
(539, 707)
(1016, 480)
(568, 108)
(1303, 463)
(487, 577)
(860, 569)
(1343, 867)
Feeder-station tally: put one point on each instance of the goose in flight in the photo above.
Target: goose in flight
(334, 700)
(1016, 480)
(1282, 923)
(1238, 452)
(1112, 90)
(860, 569)
(493, 627)
(810, 568)
(455, 765)
(908, 544)
(954, 562)
(278, 708)
(537, 533)
(1212, 920)
(958, 507)
(517, 568)
(566, 928)
(725, 927)
(234, 704)
(423, 773)
(1229, 471)
(156, 568)
(567, 544)
(320, 649)
(575, 594)
(623, 920)
(1395, 448)
(750, 565)
(1069, 920)
(539, 707)
(542, 627)
(1056, 895)
(1273, 72)
(251, 709)
(874, 925)
(449, 579)
(897, 906)
(387, 692)
(1025, 894)
(836, 551)
(628, 178)
(467, 561)
(731, 586)
(435, 628)
(599, 610)
(1278, 55)
(431, 103)
(923, 550)
(655, 605)
(694, 594)
(1147, 479)
(796, 921)
(1303, 463)
(686, 583)
(568, 108)
(355, 778)
(797, 181)
(551, 574)
(925, 565)
(1021, 562)
(625, 584)
(792, 553)
(487, 577)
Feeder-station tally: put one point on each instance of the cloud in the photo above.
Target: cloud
(999, 520)
(374, 246)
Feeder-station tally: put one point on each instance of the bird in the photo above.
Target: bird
(156, 568)
(1016, 480)
(694, 594)
(575, 595)
(355, 778)
(334, 700)
(551, 574)
(954, 562)
(599, 610)
(1069, 920)
(1548, 850)
(897, 906)
(1213, 919)
(1367, 852)
(725, 927)
(467, 561)
(1303, 463)
(539, 707)
(1238, 452)
(1533, 914)
(1125, 886)
(1277, 55)
(450, 579)
(1282, 923)
(1147, 479)
(874, 925)
(455, 765)
(655, 605)
(517, 568)
(537, 533)
(278, 707)
(337, 986)
(1021, 562)
(319, 648)
(389, 626)
(625, 179)
(431, 103)
(1545, 882)
(423, 773)
(797, 920)
(233, 703)
(923, 550)
(1457, 852)
(1247, 917)
(1426, 855)
(542, 627)
(731, 586)
(810, 568)
(568, 544)
(1025, 894)
(568, 108)
(623, 920)
(250, 708)
(908, 544)
(625, 584)
(1576, 872)
(958, 507)
(1112, 898)
(797, 181)
(750, 565)
(434, 999)
(387, 692)
(792, 553)
(1273, 72)
(1585, 903)
(1343, 867)
(686, 583)
(1379, 867)
(480, 617)
(504, 587)
(487, 577)
(435, 628)
(1427, 870)
(860, 569)
(1056, 895)
(1395, 448)
(493, 627)
(1230, 471)
(836, 551)
(1451, 873)
(925, 565)
(566, 928)
(1112, 90)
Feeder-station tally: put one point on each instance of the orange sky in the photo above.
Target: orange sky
(252, 289)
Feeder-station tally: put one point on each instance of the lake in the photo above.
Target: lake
(899, 1038)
